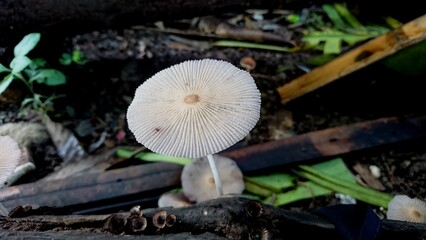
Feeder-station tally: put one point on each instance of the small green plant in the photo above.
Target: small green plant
(75, 57)
(344, 29)
(31, 71)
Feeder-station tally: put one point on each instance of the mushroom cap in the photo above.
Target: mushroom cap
(10, 153)
(173, 199)
(404, 208)
(194, 108)
(198, 182)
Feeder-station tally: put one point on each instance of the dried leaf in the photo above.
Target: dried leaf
(88, 164)
(66, 143)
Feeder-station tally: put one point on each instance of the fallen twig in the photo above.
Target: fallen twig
(362, 56)
(229, 217)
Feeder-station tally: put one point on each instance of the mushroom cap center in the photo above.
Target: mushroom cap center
(191, 99)
(416, 214)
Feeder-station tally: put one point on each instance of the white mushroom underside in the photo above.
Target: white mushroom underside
(194, 108)
(198, 183)
(404, 208)
(10, 153)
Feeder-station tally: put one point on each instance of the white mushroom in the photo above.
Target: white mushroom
(198, 183)
(173, 199)
(10, 154)
(194, 109)
(404, 208)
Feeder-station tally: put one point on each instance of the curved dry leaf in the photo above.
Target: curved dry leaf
(66, 143)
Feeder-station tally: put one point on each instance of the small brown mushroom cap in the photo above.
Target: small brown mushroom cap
(10, 153)
(194, 108)
(198, 182)
(404, 208)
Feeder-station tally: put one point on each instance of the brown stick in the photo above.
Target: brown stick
(74, 235)
(93, 187)
(329, 142)
(229, 217)
(370, 52)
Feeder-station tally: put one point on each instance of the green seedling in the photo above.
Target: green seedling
(76, 57)
(31, 72)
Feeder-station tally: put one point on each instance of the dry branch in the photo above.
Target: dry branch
(93, 187)
(229, 217)
(328, 142)
(362, 56)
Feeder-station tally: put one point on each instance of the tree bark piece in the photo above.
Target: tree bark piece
(327, 143)
(93, 187)
(78, 235)
(370, 52)
(228, 217)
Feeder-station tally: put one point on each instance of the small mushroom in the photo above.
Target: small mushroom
(173, 199)
(404, 208)
(194, 109)
(198, 183)
(10, 154)
(248, 63)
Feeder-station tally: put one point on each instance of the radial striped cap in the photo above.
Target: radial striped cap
(10, 153)
(194, 108)
(404, 208)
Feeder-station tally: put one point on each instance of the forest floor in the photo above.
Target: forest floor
(98, 92)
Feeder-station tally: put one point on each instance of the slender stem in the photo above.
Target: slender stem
(3, 210)
(27, 83)
(215, 175)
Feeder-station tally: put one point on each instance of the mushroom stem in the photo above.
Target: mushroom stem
(216, 176)
(3, 210)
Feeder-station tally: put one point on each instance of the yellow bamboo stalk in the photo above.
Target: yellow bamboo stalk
(359, 57)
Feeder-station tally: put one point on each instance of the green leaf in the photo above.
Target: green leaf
(65, 59)
(409, 61)
(19, 63)
(258, 190)
(393, 23)
(5, 82)
(321, 59)
(333, 39)
(334, 16)
(239, 44)
(26, 101)
(305, 190)
(309, 189)
(78, 57)
(347, 15)
(275, 181)
(50, 77)
(38, 63)
(335, 168)
(339, 184)
(332, 46)
(3, 68)
(152, 157)
(26, 44)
